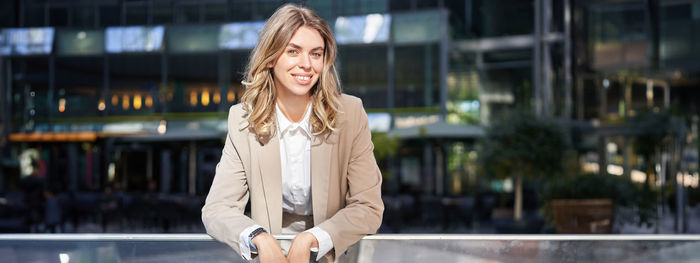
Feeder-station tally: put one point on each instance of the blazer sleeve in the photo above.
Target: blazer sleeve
(222, 213)
(362, 214)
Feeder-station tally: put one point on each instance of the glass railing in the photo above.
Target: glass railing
(377, 248)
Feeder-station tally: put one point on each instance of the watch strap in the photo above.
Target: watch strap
(253, 234)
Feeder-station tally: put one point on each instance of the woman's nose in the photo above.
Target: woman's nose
(304, 62)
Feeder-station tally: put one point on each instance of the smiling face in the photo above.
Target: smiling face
(297, 70)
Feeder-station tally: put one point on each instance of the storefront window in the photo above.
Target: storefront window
(30, 93)
(79, 92)
(194, 83)
(135, 84)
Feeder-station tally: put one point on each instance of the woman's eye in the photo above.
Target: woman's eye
(292, 52)
(316, 54)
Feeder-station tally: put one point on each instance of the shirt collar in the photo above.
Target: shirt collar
(284, 125)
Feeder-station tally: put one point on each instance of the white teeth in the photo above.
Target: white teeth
(302, 77)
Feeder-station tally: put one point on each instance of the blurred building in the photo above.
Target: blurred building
(137, 92)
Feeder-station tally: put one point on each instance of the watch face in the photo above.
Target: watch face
(257, 231)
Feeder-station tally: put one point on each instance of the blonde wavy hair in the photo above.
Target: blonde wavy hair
(259, 96)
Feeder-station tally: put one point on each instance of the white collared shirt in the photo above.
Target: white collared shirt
(295, 157)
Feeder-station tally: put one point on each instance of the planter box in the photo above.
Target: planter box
(583, 216)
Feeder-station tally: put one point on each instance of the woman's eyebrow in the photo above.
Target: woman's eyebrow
(299, 47)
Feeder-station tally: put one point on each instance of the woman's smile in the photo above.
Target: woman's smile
(302, 79)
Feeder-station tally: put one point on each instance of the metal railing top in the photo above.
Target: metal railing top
(465, 237)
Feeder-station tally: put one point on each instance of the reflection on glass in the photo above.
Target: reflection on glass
(372, 28)
(80, 42)
(239, 35)
(417, 27)
(379, 122)
(134, 39)
(26, 41)
(193, 38)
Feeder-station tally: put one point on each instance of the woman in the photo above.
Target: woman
(298, 148)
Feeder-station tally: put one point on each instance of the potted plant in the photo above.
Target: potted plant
(590, 203)
(522, 146)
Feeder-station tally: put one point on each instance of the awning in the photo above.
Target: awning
(54, 137)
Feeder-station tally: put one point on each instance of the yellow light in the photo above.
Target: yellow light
(230, 96)
(115, 100)
(205, 97)
(125, 102)
(217, 97)
(137, 101)
(61, 104)
(193, 98)
(101, 105)
(149, 101)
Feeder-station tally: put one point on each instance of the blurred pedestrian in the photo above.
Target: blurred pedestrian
(52, 212)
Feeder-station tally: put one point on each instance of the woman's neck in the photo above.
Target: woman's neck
(293, 107)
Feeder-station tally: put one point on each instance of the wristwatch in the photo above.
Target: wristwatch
(252, 235)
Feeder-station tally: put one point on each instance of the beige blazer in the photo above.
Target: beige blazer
(345, 181)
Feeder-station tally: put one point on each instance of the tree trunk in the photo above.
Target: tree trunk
(518, 207)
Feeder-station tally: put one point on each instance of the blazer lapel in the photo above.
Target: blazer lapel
(271, 172)
(320, 171)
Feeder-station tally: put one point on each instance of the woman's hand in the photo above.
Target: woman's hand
(300, 251)
(269, 250)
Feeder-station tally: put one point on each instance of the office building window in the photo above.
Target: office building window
(363, 73)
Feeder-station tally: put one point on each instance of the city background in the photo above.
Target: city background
(501, 116)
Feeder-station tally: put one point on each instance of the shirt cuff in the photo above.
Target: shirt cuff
(325, 243)
(243, 243)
